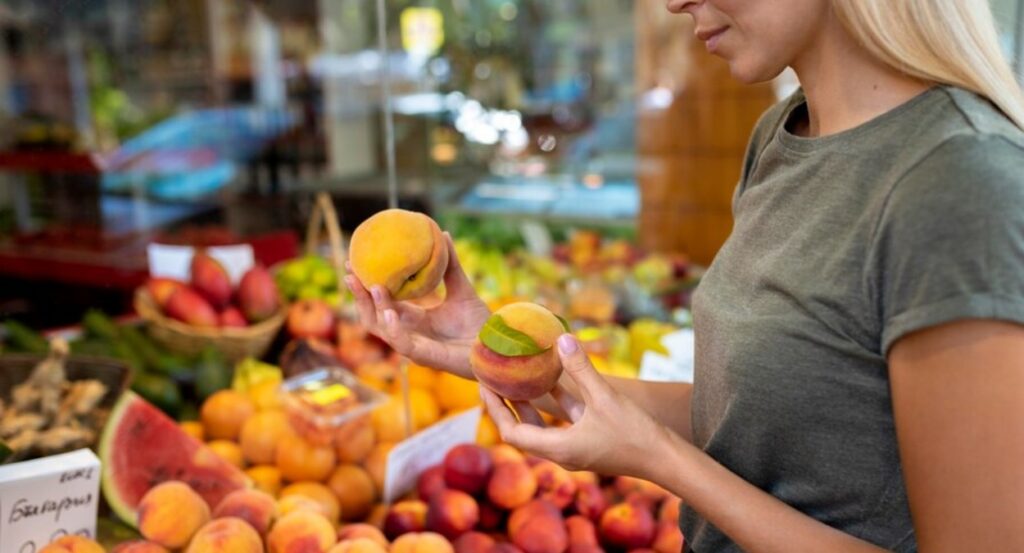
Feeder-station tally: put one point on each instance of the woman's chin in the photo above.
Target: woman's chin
(746, 72)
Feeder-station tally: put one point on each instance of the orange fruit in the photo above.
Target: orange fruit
(422, 377)
(192, 428)
(299, 460)
(319, 493)
(354, 489)
(487, 432)
(389, 420)
(261, 434)
(266, 478)
(229, 451)
(425, 410)
(376, 463)
(295, 502)
(224, 413)
(266, 394)
(455, 393)
(354, 440)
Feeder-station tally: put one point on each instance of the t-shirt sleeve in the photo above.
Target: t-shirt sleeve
(950, 240)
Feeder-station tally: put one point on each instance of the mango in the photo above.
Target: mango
(210, 280)
(160, 289)
(256, 508)
(226, 535)
(186, 305)
(231, 317)
(402, 251)
(170, 514)
(301, 530)
(519, 376)
(452, 513)
(467, 468)
(512, 485)
(258, 295)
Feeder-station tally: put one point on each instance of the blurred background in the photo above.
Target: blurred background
(215, 121)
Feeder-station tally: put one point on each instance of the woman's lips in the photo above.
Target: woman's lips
(711, 37)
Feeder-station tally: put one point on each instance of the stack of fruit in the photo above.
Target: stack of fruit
(309, 278)
(209, 300)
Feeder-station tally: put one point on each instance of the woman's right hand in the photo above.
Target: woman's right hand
(439, 337)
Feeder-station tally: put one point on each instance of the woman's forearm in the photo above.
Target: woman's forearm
(755, 520)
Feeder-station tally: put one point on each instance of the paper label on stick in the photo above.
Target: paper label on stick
(427, 448)
(173, 261)
(45, 499)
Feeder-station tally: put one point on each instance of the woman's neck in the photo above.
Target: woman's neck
(845, 86)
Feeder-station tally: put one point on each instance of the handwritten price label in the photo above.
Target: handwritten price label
(45, 499)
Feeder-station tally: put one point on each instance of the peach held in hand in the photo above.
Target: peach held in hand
(514, 353)
(402, 251)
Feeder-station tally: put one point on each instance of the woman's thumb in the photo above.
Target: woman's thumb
(577, 365)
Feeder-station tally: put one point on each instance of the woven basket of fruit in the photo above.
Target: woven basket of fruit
(190, 338)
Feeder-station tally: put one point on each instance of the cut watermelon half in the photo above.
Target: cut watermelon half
(142, 447)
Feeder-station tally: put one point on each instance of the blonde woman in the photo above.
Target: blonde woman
(860, 348)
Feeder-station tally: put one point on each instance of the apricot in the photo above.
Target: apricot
(520, 377)
(304, 531)
(73, 544)
(319, 493)
(585, 476)
(266, 478)
(358, 545)
(229, 451)
(473, 542)
(299, 460)
(293, 503)
(501, 453)
(455, 393)
(256, 508)
(192, 428)
(467, 467)
(452, 513)
(590, 501)
(226, 534)
(354, 440)
(669, 511)
(402, 251)
(627, 485)
(422, 542)
(377, 515)
(224, 413)
(361, 530)
(554, 484)
(538, 527)
(405, 517)
(261, 434)
(668, 538)
(170, 513)
(627, 525)
(512, 485)
(139, 546)
(354, 489)
(376, 464)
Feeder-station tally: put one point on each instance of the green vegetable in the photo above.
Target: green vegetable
(100, 325)
(158, 390)
(213, 373)
(24, 339)
(505, 340)
(92, 346)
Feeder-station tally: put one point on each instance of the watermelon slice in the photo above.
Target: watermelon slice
(142, 447)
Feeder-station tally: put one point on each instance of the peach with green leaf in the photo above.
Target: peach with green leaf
(514, 354)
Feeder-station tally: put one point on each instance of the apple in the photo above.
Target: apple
(310, 318)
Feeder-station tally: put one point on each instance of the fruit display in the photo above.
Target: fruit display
(414, 262)
(309, 277)
(514, 354)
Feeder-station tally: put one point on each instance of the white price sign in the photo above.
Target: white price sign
(412, 456)
(677, 366)
(174, 261)
(44, 499)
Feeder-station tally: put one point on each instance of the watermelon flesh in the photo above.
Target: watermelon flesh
(142, 447)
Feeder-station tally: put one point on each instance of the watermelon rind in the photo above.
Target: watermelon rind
(192, 462)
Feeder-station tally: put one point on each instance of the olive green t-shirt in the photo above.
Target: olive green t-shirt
(841, 246)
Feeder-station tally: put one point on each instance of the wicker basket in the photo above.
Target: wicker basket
(234, 343)
(324, 217)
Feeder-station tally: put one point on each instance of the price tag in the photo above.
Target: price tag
(427, 448)
(537, 237)
(44, 499)
(173, 261)
(677, 366)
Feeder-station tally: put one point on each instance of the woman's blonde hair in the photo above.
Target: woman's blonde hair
(945, 41)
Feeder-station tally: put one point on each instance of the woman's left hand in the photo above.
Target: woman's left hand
(609, 433)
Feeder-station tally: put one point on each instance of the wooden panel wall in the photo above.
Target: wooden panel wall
(692, 130)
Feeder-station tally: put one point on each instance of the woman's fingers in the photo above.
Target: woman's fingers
(364, 303)
(528, 414)
(456, 282)
(577, 365)
(528, 437)
(573, 407)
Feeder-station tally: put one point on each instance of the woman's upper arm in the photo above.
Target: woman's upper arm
(958, 402)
